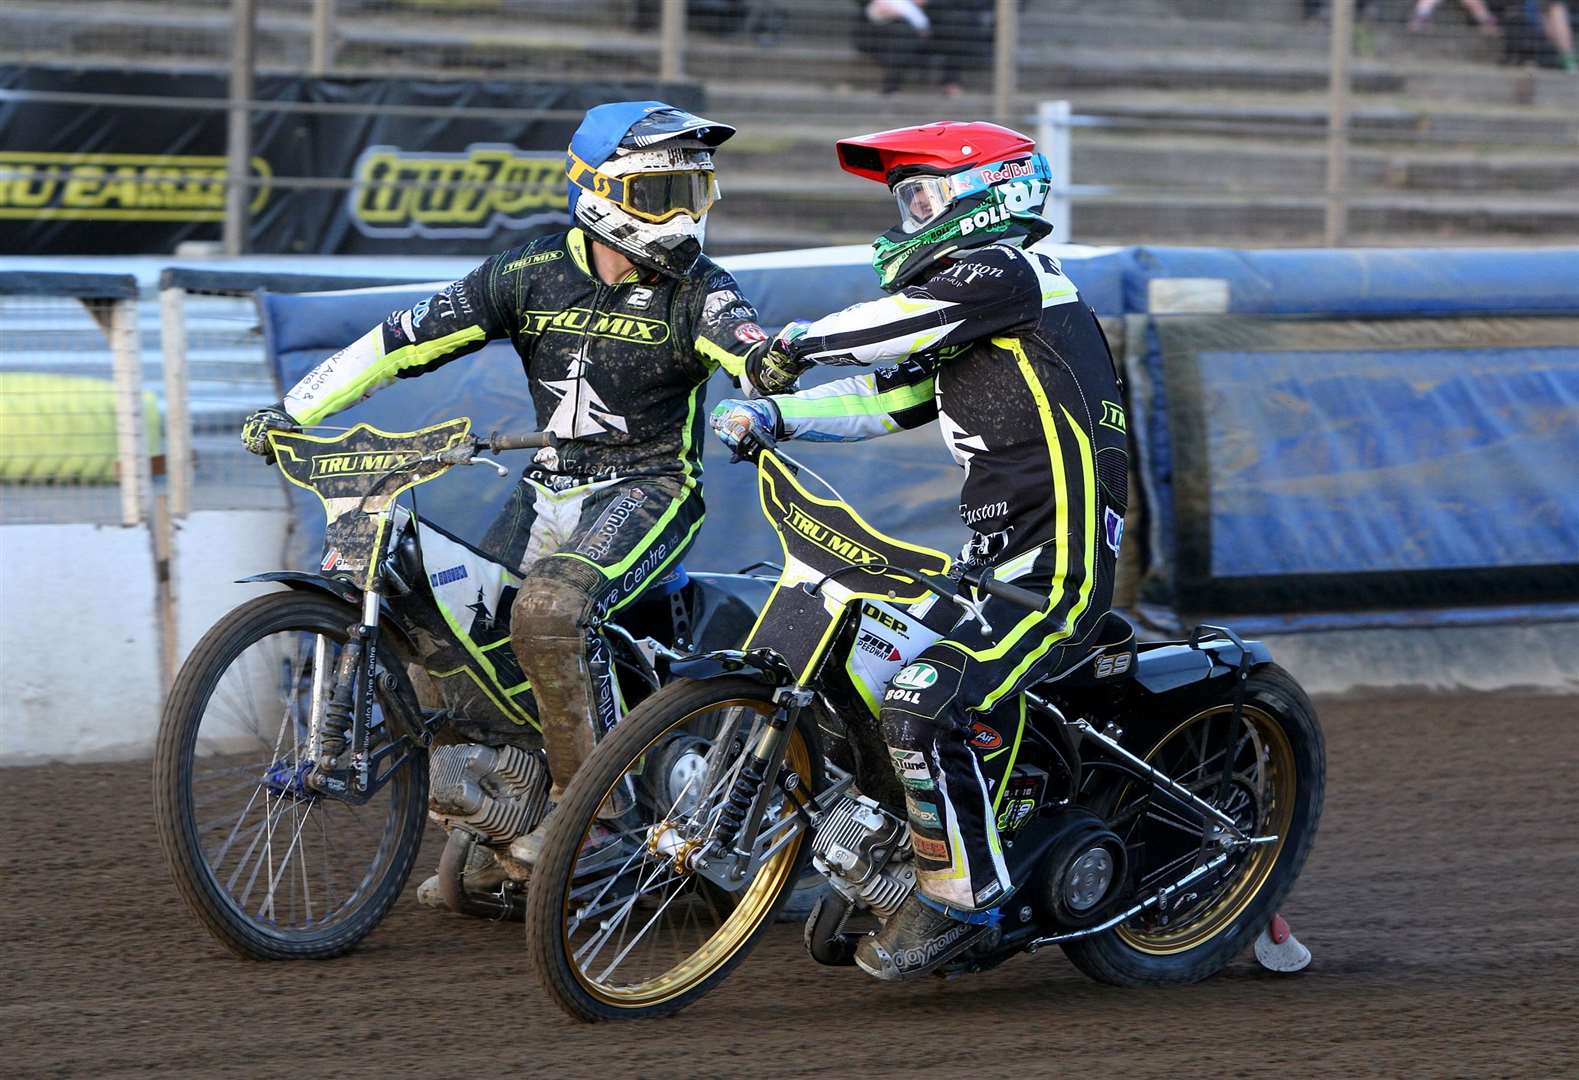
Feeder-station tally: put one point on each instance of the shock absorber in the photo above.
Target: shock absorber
(337, 710)
(738, 804)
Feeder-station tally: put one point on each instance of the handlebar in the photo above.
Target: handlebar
(1012, 594)
(530, 440)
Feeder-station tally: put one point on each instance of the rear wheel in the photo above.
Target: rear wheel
(273, 869)
(1275, 786)
(618, 926)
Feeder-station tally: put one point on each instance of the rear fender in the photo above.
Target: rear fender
(1162, 668)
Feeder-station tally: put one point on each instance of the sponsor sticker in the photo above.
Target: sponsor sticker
(1113, 417)
(533, 260)
(445, 577)
(897, 625)
(639, 298)
(585, 322)
(983, 737)
(878, 647)
(749, 333)
(923, 813)
(916, 677)
(1112, 664)
(934, 850)
(1113, 528)
(331, 560)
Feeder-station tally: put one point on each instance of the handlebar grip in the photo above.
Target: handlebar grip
(1004, 591)
(531, 440)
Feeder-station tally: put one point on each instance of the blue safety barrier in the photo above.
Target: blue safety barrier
(1361, 431)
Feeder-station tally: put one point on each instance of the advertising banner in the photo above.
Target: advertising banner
(139, 176)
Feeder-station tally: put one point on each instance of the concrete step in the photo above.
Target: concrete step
(1172, 162)
(762, 107)
(584, 42)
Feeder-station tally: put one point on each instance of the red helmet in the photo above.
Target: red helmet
(940, 148)
(958, 186)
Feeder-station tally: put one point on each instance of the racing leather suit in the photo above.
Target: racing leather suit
(1000, 350)
(617, 372)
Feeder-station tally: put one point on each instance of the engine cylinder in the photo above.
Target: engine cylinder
(498, 793)
(865, 853)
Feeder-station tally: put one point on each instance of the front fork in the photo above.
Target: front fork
(341, 716)
(732, 855)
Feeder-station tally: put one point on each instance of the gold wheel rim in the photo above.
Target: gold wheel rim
(1275, 756)
(754, 903)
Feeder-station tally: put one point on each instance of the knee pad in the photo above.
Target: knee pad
(551, 605)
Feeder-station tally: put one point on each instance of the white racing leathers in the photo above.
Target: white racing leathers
(998, 348)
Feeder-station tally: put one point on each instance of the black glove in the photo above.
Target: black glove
(255, 430)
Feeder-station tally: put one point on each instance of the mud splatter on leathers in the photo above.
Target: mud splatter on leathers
(618, 372)
(999, 349)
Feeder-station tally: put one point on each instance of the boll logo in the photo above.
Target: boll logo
(916, 677)
(984, 219)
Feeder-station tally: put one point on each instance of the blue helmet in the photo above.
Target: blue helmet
(641, 180)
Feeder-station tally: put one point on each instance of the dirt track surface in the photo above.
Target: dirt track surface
(1442, 905)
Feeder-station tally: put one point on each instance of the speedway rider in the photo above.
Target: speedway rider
(993, 342)
(619, 322)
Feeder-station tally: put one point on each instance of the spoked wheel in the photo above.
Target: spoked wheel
(271, 867)
(619, 922)
(1274, 788)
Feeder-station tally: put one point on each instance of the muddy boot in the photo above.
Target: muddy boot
(481, 875)
(920, 937)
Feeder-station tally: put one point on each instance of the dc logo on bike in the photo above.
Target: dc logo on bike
(916, 677)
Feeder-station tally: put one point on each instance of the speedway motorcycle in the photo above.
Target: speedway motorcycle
(1155, 802)
(312, 730)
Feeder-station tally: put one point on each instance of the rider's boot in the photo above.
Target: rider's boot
(527, 849)
(483, 874)
(921, 936)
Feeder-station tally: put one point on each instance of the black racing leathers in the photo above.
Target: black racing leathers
(618, 373)
(999, 349)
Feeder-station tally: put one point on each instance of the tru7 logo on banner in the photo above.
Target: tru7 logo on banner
(484, 189)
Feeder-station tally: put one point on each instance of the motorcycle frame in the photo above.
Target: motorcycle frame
(795, 681)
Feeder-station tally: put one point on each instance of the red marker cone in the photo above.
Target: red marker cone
(1277, 949)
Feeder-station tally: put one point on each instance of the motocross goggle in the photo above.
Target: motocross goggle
(924, 199)
(656, 196)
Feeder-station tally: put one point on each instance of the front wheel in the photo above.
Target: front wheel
(619, 924)
(273, 869)
(1275, 785)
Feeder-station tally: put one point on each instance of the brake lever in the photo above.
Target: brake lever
(973, 609)
(498, 468)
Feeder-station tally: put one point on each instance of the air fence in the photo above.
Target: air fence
(1322, 441)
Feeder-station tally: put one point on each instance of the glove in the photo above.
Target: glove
(740, 424)
(775, 369)
(255, 430)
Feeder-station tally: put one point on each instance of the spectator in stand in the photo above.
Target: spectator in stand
(896, 34)
(1538, 32)
(1559, 27)
(1476, 9)
(962, 32)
